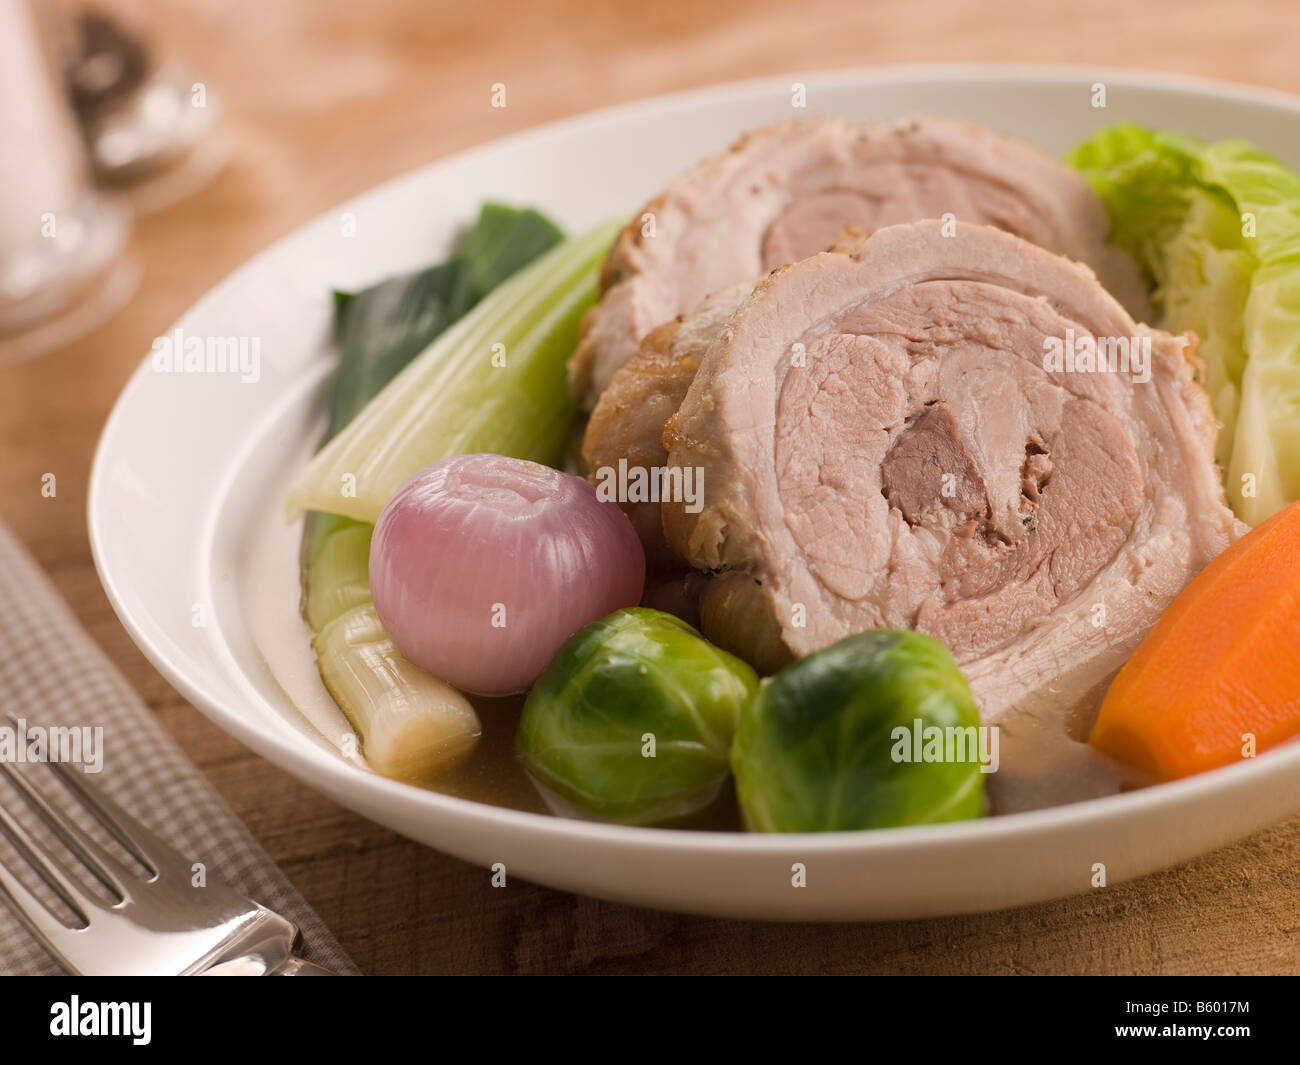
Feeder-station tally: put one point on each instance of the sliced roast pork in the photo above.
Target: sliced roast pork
(627, 425)
(913, 435)
(786, 191)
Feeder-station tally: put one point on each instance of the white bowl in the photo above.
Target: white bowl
(189, 467)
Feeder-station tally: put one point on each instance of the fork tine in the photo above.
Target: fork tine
(108, 870)
(155, 853)
(139, 841)
(43, 924)
(51, 869)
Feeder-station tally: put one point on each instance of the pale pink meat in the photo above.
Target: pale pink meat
(785, 192)
(883, 443)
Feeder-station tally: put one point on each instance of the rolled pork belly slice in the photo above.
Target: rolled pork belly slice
(627, 425)
(784, 192)
(887, 438)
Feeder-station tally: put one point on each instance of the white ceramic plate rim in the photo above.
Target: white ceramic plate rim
(325, 771)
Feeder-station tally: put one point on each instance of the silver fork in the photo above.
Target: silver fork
(161, 924)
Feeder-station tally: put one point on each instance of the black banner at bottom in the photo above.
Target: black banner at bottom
(930, 1013)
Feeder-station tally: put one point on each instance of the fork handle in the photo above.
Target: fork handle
(296, 966)
(263, 946)
(259, 964)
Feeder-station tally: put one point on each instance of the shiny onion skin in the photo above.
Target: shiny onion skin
(482, 566)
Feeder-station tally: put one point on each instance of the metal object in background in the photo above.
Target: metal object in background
(148, 124)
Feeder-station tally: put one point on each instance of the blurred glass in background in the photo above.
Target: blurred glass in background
(85, 107)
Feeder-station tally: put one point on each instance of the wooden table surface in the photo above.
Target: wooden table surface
(328, 97)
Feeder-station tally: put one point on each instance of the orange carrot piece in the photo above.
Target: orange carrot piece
(1222, 664)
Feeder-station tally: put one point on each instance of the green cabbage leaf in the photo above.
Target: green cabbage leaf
(1216, 229)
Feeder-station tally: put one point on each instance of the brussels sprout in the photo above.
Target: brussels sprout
(828, 744)
(633, 719)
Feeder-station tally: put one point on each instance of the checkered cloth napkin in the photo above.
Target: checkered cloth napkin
(53, 673)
